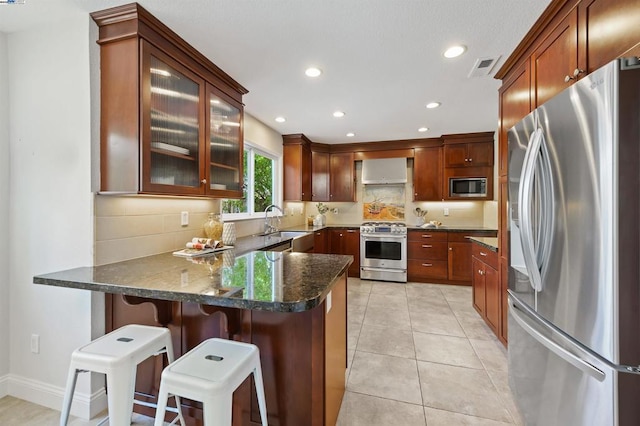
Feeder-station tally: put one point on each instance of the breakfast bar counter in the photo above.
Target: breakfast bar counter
(291, 305)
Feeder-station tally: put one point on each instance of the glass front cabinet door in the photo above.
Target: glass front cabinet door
(224, 144)
(172, 126)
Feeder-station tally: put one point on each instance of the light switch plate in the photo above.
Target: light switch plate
(184, 218)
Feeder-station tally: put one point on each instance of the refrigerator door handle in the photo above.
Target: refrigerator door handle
(553, 346)
(524, 209)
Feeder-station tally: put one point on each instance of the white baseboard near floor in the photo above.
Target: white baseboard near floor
(84, 406)
(4, 387)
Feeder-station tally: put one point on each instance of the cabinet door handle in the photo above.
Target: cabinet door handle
(568, 78)
(466, 159)
(577, 72)
(426, 236)
(470, 159)
(427, 264)
(203, 181)
(427, 246)
(480, 272)
(483, 253)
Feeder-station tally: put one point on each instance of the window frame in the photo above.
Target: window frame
(253, 149)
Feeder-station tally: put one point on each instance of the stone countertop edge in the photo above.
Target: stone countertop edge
(488, 242)
(78, 278)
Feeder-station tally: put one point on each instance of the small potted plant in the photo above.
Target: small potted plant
(321, 219)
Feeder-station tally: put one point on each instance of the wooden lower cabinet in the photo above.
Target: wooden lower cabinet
(426, 256)
(346, 241)
(321, 241)
(303, 354)
(487, 298)
(459, 261)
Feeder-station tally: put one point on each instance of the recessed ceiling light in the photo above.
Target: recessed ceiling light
(313, 72)
(281, 119)
(350, 134)
(454, 51)
(338, 114)
(432, 105)
(423, 129)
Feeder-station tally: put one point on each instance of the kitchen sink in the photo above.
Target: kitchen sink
(301, 241)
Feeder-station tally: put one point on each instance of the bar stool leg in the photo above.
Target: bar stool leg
(72, 378)
(216, 409)
(162, 406)
(257, 378)
(120, 389)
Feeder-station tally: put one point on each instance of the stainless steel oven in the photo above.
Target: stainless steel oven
(383, 252)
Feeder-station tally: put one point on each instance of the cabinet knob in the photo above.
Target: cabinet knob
(203, 181)
(480, 272)
(483, 253)
(577, 72)
(450, 248)
(470, 159)
(568, 78)
(466, 159)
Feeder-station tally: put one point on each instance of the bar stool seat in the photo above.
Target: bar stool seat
(209, 373)
(117, 355)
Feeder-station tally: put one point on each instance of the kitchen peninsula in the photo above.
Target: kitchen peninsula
(291, 305)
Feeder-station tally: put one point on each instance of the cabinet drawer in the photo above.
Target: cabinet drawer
(427, 236)
(419, 270)
(462, 237)
(485, 255)
(431, 250)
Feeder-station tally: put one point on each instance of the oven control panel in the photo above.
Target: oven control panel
(383, 228)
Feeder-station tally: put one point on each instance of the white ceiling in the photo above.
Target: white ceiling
(382, 59)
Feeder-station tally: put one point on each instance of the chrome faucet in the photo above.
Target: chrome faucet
(268, 226)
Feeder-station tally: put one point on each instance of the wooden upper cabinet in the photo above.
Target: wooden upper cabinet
(468, 150)
(555, 61)
(297, 168)
(608, 29)
(320, 175)
(515, 104)
(427, 174)
(160, 132)
(342, 177)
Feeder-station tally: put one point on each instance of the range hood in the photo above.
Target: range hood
(384, 170)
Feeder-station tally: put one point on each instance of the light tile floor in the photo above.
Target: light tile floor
(419, 354)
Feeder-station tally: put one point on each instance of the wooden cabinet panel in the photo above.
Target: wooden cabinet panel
(335, 361)
(492, 297)
(321, 241)
(485, 255)
(456, 155)
(477, 154)
(459, 261)
(296, 157)
(515, 104)
(479, 291)
(342, 177)
(320, 176)
(556, 58)
(427, 174)
(503, 217)
(504, 305)
(427, 250)
(608, 29)
(417, 235)
(346, 241)
(425, 270)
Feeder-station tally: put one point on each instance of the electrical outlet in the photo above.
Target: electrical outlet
(184, 218)
(35, 343)
(446, 211)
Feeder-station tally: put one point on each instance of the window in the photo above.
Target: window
(260, 185)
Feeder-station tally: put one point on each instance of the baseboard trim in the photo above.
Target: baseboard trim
(4, 385)
(84, 406)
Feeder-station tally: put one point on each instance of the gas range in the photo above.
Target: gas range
(383, 228)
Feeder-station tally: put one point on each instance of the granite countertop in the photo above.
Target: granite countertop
(453, 228)
(258, 280)
(488, 242)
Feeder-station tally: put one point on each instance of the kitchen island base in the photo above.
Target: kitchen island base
(303, 354)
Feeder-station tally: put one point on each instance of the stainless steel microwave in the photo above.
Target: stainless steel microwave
(467, 187)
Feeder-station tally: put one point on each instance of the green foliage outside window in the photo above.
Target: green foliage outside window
(258, 178)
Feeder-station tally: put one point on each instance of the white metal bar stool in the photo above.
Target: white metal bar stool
(117, 355)
(209, 373)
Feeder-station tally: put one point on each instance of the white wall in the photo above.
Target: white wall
(4, 216)
(50, 202)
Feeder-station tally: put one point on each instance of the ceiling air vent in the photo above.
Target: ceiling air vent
(483, 67)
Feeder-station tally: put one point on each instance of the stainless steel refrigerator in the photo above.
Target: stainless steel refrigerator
(574, 276)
